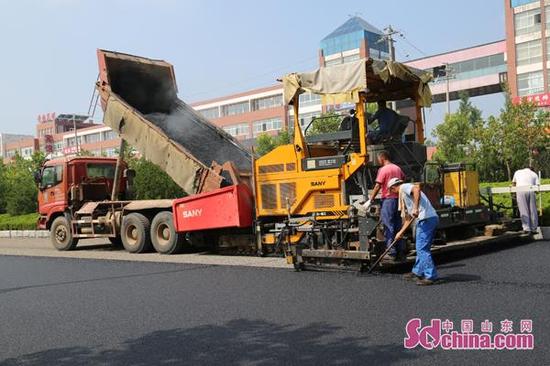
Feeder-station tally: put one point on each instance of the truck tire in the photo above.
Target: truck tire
(134, 233)
(61, 234)
(164, 236)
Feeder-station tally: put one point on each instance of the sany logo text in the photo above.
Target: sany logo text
(192, 213)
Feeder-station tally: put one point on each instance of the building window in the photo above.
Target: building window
(529, 53)
(530, 83)
(527, 22)
(308, 99)
(267, 102)
(26, 152)
(515, 3)
(351, 58)
(265, 125)
(58, 146)
(210, 113)
(304, 119)
(241, 130)
(109, 135)
(478, 66)
(70, 141)
(45, 131)
(235, 108)
(334, 61)
(349, 37)
(92, 138)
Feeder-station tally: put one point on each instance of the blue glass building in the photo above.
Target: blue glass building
(354, 39)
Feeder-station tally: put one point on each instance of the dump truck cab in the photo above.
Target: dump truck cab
(65, 184)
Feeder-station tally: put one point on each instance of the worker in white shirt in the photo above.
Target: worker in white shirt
(414, 202)
(527, 201)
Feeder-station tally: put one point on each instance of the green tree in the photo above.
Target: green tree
(429, 143)
(37, 159)
(151, 182)
(3, 187)
(458, 136)
(469, 111)
(325, 123)
(21, 191)
(265, 142)
(517, 138)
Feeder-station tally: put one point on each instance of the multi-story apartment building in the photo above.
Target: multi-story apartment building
(528, 49)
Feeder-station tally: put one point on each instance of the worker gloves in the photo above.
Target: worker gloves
(362, 207)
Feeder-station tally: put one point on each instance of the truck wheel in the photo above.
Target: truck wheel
(164, 236)
(61, 234)
(135, 233)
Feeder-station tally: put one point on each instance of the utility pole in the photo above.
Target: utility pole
(389, 32)
(447, 99)
(448, 76)
(445, 71)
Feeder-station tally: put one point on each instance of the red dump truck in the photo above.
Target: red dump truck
(91, 197)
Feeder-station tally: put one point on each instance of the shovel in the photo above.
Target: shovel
(397, 238)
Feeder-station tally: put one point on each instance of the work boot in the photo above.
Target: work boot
(411, 276)
(425, 282)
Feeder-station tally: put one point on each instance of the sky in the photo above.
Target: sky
(217, 47)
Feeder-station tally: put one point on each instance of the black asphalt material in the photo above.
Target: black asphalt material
(82, 312)
(203, 140)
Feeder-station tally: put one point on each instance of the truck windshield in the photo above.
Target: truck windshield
(99, 170)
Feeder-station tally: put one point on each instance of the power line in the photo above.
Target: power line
(412, 45)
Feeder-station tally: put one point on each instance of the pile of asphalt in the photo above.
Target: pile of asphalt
(204, 141)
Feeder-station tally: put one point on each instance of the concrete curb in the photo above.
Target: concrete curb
(24, 234)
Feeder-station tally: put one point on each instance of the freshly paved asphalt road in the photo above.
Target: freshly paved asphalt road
(72, 311)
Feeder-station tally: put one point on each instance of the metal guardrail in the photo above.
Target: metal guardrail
(514, 189)
(535, 188)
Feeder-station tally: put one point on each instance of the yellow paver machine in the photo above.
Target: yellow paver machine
(306, 190)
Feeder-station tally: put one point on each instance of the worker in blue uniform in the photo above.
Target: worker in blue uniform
(387, 120)
(417, 205)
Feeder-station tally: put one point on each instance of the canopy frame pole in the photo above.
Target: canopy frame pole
(419, 122)
(299, 140)
(360, 114)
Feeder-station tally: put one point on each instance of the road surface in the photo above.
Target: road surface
(100, 249)
(74, 311)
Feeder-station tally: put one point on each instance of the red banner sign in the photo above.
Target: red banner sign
(542, 99)
(71, 150)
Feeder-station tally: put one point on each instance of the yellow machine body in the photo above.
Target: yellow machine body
(302, 190)
(463, 185)
(287, 186)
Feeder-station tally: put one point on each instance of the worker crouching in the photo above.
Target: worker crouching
(415, 203)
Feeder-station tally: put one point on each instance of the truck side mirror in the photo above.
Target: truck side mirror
(37, 177)
(129, 173)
